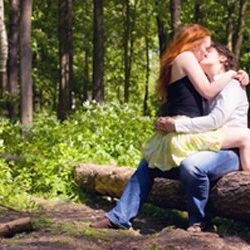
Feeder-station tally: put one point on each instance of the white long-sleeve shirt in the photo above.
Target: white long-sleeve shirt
(229, 108)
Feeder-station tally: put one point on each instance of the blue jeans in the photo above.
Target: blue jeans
(196, 172)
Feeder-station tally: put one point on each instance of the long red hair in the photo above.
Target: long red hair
(187, 38)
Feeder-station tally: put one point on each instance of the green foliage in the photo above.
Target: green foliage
(11, 186)
(229, 226)
(104, 134)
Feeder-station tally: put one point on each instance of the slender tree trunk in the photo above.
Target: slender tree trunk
(13, 56)
(26, 63)
(175, 10)
(128, 45)
(198, 15)
(86, 70)
(98, 58)
(230, 23)
(86, 76)
(4, 84)
(3, 50)
(66, 58)
(145, 101)
(238, 38)
(162, 34)
(126, 25)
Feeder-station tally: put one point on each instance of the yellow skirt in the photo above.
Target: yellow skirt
(165, 151)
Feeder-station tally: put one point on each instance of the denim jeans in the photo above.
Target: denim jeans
(196, 172)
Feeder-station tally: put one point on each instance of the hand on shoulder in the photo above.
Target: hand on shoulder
(242, 76)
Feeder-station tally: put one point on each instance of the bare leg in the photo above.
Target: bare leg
(238, 138)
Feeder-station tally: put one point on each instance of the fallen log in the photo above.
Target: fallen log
(11, 157)
(13, 227)
(229, 196)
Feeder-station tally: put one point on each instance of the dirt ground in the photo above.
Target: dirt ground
(65, 225)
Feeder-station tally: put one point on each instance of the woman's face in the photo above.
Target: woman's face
(201, 50)
(212, 58)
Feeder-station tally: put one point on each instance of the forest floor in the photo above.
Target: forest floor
(61, 225)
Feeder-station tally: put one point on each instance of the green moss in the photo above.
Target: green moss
(153, 247)
(42, 222)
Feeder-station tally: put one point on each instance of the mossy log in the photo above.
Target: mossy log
(230, 196)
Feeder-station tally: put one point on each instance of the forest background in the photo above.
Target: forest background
(78, 78)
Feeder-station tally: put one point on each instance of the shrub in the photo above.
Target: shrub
(102, 134)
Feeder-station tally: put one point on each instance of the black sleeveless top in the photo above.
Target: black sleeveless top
(183, 99)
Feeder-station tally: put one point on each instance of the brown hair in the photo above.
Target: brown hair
(231, 62)
(187, 38)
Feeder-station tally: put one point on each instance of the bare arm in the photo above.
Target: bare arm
(190, 66)
(230, 99)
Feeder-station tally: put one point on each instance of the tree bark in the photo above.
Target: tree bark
(66, 58)
(13, 57)
(228, 198)
(86, 76)
(26, 63)
(11, 228)
(198, 14)
(162, 34)
(145, 101)
(128, 45)
(126, 38)
(238, 37)
(3, 40)
(3, 52)
(98, 57)
(175, 10)
(230, 23)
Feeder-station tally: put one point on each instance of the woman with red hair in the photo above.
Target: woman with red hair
(183, 84)
(180, 62)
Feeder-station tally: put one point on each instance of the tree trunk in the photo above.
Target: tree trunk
(3, 84)
(86, 76)
(230, 23)
(145, 101)
(162, 34)
(228, 198)
(26, 63)
(13, 57)
(198, 15)
(66, 58)
(3, 40)
(3, 51)
(175, 10)
(98, 58)
(126, 39)
(128, 45)
(238, 37)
